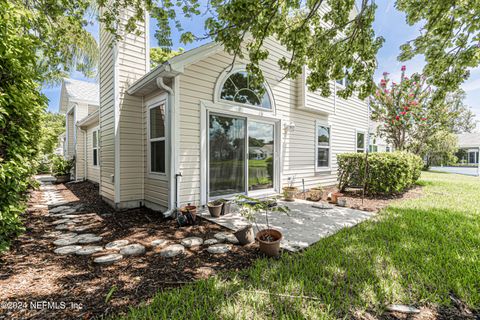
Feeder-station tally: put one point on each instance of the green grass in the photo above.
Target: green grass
(415, 252)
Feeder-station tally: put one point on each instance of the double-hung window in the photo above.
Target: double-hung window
(322, 142)
(156, 138)
(360, 141)
(95, 144)
(372, 147)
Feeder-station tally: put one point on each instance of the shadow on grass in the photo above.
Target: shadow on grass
(407, 256)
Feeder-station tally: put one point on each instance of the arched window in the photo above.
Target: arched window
(239, 87)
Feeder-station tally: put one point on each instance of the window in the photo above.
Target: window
(343, 82)
(372, 147)
(323, 146)
(240, 87)
(360, 141)
(387, 149)
(95, 144)
(156, 138)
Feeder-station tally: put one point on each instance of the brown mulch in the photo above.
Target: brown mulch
(369, 203)
(31, 273)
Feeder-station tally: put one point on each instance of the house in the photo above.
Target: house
(195, 128)
(79, 101)
(378, 143)
(468, 145)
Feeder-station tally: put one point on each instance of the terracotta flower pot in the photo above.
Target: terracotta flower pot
(192, 210)
(245, 235)
(289, 193)
(215, 209)
(335, 196)
(269, 241)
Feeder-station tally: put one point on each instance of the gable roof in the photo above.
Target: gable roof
(469, 140)
(78, 91)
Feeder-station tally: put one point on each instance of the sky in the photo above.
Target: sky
(389, 23)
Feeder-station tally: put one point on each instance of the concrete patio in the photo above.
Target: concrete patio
(306, 223)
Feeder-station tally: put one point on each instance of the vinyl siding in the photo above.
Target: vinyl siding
(81, 111)
(298, 146)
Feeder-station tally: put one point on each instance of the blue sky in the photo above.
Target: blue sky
(389, 23)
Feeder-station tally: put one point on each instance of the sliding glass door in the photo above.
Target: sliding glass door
(237, 164)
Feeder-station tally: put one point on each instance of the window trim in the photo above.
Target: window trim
(227, 72)
(357, 131)
(158, 102)
(97, 130)
(320, 123)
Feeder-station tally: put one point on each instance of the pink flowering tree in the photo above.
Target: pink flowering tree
(407, 113)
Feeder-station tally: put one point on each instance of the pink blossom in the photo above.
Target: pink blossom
(404, 68)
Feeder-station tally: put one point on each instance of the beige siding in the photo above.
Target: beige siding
(70, 135)
(298, 146)
(81, 111)
(107, 116)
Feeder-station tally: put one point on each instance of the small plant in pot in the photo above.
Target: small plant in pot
(290, 191)
(226, 206)
(269, 239)
(316, 193)
(215, 208)
(61, 168)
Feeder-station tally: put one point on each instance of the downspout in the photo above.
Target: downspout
(85, 155)
(171, 98)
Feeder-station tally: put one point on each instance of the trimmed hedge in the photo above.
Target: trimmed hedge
(388, 172)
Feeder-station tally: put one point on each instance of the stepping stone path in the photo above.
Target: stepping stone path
(61, 221)
(159, 243)
(192, 242)
(63, 227)
(67, 250)
(132, 250)
(172, 250)
(108, 259)
(225, 236)
(82, 228)
(85, 240)
(65, 242)
(116, 245)
(219, 248)
(210, 242)
(66, 235)
(88, 250)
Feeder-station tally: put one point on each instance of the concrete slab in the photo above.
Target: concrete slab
(303, 226)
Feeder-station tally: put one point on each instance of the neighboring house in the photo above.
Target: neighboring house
(60, 150)
(377, 143)
(181, 133)
(468, 145)
(79, 101)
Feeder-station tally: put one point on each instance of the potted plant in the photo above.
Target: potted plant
(215, 208)
(190, 212)
(335, 196)
(316, 193)
(61, 168)
(226, 206)
(290, 191)
(269, 239)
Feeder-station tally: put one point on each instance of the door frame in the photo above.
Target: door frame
(207, 107)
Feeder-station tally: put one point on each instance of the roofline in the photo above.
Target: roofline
(175, 66)
(88, 120)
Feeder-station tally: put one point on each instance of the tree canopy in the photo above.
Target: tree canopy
(160, 55)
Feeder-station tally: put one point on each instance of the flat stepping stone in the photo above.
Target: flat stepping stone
(63, 227)
(159, 243)
(61, 221)
(58, 209)
(86, 240)
(219, 248)
(67, 250)
(221, 236)
(232, 239)
(116, 245)
(209, 242)
(88, 250)
(65, 242)
(108, 259)
(70, 216)
(134, 249)
(82, 228)
(86, 235)
(192, 242)
(402, 309)
(66, 235)
(172, 250)
(69, 211)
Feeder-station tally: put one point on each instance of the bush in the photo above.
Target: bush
(388, 172)
(61, 166)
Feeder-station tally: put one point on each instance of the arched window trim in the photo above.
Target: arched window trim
(221, 81)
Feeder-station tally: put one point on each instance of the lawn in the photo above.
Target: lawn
(415, 252)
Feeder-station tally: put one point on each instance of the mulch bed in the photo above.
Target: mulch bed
(30, 272)
(369, 203)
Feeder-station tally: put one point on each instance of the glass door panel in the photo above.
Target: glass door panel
(226, 155)
(260, 155)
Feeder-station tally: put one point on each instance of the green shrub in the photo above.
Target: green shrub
(61, 166)
(387, 173)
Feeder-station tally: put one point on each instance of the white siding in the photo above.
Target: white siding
(81, 111)
(93, 172)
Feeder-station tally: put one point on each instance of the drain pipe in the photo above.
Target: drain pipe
(171, 94)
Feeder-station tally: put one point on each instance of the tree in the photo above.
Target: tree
(465, 120)
(441, 148)
(410, 113)
(53, 124)
(161, 55)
